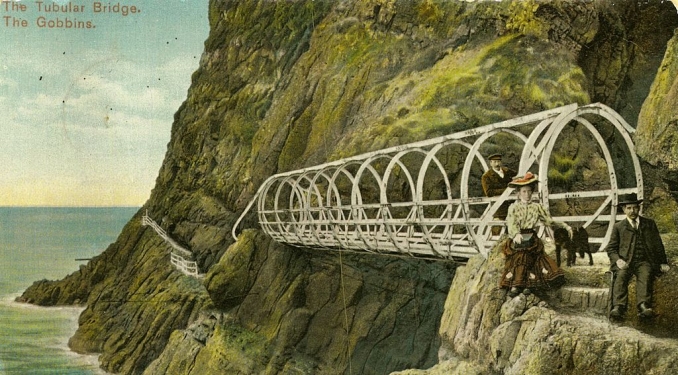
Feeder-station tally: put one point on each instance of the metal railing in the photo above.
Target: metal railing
(178, 254)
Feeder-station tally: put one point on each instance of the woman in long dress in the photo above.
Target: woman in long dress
(527, 265)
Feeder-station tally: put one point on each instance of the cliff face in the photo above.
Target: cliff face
(659, 116)
(656, 136)
(283, 85)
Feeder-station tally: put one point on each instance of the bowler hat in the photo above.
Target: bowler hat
(494, 157)
(629, 199)
(526, 180)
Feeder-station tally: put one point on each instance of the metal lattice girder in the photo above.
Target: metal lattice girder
(349, 204)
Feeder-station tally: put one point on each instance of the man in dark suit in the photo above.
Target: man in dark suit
(495, 181)
(635, 248)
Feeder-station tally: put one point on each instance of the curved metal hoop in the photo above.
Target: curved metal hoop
(326, 206)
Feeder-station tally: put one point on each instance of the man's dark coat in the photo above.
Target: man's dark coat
(494, 185)
(623, 241)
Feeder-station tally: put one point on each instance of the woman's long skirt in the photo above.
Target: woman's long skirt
(529, 267)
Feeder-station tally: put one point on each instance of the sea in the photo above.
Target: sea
(47, 243)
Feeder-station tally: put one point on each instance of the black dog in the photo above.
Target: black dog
(578, 244)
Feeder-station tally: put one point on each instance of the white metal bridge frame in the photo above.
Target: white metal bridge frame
(311, 207)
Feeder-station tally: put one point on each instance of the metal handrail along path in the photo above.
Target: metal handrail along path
(178, 254)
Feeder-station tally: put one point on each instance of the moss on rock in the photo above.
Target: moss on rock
(284, 85)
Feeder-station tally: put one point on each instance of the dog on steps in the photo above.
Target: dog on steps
(578, 244)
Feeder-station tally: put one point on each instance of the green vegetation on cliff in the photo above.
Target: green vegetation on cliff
(288, 84)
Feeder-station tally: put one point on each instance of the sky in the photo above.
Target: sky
(86, 112)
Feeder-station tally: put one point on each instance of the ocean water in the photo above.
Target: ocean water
(44, 243)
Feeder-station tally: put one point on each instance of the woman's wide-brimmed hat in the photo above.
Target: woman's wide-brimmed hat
(528, 179)
(629, 199)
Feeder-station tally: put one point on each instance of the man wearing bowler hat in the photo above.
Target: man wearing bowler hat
(635, 248)
(495, 181)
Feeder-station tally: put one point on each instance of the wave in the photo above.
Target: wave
(56, 324)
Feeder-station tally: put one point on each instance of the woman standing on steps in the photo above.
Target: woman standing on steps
(527, 265)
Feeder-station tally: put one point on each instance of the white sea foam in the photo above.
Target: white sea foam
(68, 315)
(34, 339)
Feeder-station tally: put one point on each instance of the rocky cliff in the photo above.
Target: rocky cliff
(657, 131)
(539, 334)
(283, 85)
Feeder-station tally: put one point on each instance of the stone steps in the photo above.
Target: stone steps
(587, 286)
(583, 299)
(582, 274)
